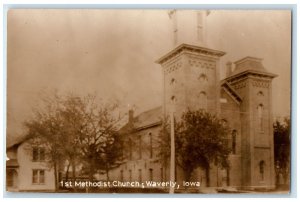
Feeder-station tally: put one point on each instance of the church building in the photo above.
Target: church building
(191, 79)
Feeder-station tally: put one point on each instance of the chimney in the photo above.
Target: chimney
(228, 68)
(130, 116)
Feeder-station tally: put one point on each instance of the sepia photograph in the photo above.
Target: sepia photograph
(152, 101)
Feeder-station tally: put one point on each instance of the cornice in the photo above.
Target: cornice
(189, 49)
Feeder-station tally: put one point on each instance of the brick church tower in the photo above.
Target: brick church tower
(253, 84)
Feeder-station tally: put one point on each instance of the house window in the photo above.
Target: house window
(38, 154)
(151, 174)
(260, 110)
(233, 141)
(38, 177)
(151, 146)
(10, 174)
(203, 100)
(262, 170)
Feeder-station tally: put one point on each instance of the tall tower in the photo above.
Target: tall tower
(254, 85)
(190, 71)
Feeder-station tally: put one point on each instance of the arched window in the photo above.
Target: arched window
(260, 110)
(233, 141)
(140, 146)
(203, 100)
(150, 145)
(130, 175)
(202, 78)
(151, 174)
(260, 93)
(130, 149)
(121, 175)
(173, 99)
(262, 170)
(173, 81)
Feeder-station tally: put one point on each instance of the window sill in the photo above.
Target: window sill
(38, 183)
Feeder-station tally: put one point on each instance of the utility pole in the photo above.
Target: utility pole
(172, 157)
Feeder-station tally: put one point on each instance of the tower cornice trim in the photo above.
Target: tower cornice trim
(189, 48)
(251, 73)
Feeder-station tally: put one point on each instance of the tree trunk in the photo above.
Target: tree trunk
(187, 175)
(107, 172)
(67, 171)
(207, 176)
(74, 175)
(55, 176)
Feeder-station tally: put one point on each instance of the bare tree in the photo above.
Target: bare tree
(77, 129)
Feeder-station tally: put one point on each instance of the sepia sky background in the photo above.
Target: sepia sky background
(112, 53)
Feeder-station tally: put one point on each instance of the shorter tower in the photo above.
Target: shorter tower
(254, 85)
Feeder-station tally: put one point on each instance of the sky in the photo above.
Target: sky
(112, 53)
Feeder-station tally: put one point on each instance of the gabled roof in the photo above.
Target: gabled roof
(147, 118)
(17, 142)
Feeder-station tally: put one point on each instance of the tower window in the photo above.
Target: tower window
(233, 141)
(262, 170)
(173, 81)
(260, 110)
(173, 99)
(203, 100)
(202, 78)
(260, 93)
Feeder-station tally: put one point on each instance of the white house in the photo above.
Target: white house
(27, 168)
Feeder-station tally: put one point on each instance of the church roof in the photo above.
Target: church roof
(148, 118)
(144, 120)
